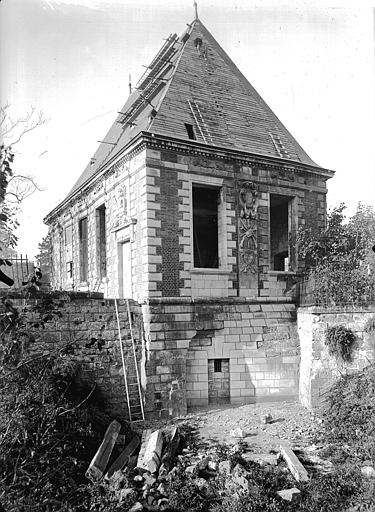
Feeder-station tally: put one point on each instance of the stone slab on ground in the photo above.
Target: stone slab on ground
(294, 464)
(123, 458)
(152, 456)
(292, 495)
(260, 458)
(100, 460)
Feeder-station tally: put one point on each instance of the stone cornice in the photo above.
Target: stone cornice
(154, 141)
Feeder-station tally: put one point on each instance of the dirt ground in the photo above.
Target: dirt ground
(291, 424)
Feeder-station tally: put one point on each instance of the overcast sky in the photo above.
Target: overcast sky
(311, 60)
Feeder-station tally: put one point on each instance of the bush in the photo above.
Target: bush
(349, 412)
(332, 492)
(340, 341)
(46, 440)
(339, 262)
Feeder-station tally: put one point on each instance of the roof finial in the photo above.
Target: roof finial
(196, 9)
(130, 84)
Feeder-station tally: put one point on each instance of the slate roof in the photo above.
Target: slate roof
(193, 81)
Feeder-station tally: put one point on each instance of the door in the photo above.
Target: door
(218, 381)
(125, 270)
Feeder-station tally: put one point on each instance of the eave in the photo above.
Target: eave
(157, 141)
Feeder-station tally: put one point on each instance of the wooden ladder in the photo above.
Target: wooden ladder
(198, 118)
(132, 382)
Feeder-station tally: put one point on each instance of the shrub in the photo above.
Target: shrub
(331, 492)
(339, 262)
(340, 341)
(349, 412)
(46, 439)
(186, 496)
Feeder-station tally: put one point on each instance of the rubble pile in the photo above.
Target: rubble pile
(147, 473)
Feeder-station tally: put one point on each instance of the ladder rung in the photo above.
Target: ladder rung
(130, 364)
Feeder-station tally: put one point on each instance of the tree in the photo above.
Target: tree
(14, 187)
(339, 261)
(43, 258)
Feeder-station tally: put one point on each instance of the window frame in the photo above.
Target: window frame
(219, 200)
(83, 250)
(291, 231)
(101, 245)
(218, 183)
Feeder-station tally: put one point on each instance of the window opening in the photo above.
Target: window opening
(279, 230)
(190, 131)
(69, 270)
(217, 365)
(101, 241)
(68, 235)
(205, 227)
(198, 42)
(83, 249)
(68, 239)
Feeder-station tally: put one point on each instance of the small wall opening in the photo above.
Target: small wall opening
(205, 227)
(280, 227)
(69, 270)
(190, 131)
(218, 381)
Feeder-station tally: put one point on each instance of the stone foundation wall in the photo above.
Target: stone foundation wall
(176, 340)
(258, 338)
(85, 327)
(318, 368)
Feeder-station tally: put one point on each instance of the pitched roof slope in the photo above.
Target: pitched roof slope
(192, 81)
(209, 92)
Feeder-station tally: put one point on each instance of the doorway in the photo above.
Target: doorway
(125, 270)
(218, 381)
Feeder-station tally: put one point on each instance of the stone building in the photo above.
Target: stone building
(190, 207)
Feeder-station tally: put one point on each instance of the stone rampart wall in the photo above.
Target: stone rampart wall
(85, 327)
(318, 368)
(178, 341)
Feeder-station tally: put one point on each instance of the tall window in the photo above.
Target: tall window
(205, 227)
(69, 251)
(68, 235)
(280, 228)
(101, 241)
(83, 249)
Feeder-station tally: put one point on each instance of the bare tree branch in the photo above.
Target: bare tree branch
(20, 187)
(17, 128)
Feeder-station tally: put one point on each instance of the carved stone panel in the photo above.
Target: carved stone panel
(248, 247)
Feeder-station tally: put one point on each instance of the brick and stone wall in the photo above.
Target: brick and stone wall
(182, 170)
(148, 198)
(318, 368)
(128, 194)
